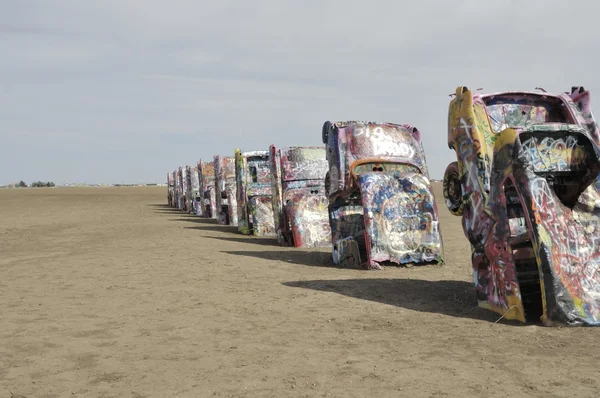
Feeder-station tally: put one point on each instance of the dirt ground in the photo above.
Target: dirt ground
(106, 292)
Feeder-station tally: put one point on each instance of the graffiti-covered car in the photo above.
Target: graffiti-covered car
(254, 193)
(195, 184)
(526, 183)
(381, 206)
(189, 190)
(225, 190)
(171, 189)
(206, 173)
(179, 189)
(300, 205)
(185, 188)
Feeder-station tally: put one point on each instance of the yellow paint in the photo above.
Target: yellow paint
(514, 311)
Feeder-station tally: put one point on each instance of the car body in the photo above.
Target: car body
(254, 193)
(381, 206)
(171, 189)
(195, 184)
(225, 190)
(300, 205)
(189, 191)
(206, 173)
(179, 189)
(527, 185)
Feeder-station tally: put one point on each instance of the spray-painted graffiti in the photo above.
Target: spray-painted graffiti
(189, 193)
(225, 190)
(400, 217)
(380, 200)
(208, 206)
(549, 154)
(527, 172)
(183, 188)
(195, 184)
(299, 200)
(254, 192)
(171, 189)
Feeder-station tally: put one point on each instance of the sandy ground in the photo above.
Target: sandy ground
(106, 292)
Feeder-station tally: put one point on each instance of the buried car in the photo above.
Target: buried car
(300, 205)
(254, 191)
(381, 206)
(185, 186)
(225, 190)
(179, 192)
(527, 185)
(206, 174)
(195, 185)
(171, 189)
(189, 193)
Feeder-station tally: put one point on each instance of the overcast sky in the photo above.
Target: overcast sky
(122, 91)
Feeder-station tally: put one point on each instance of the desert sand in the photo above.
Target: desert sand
(106, 292)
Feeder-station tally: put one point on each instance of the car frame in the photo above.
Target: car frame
(225, 190)
(206, 173)
(300, 204)
(179, 189)
(171, 189)
(527, 185)
(254, 193)
(189, 189)
(381, 205)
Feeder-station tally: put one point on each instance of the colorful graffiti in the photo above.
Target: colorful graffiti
(225, 190)
(400, 216)
(180, 189)
(378, 187)
(528, 169)
(254, 193)
(189, 195)
(299, 200)
(554, 154)
(195, 184)
(171, 189)
(206, 173)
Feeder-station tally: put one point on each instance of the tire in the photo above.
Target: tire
(327, 126)
(453, 189)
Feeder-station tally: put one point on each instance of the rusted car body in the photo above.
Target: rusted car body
(527, 185)
(206, 173)
(189, 192)
(225, 190)
(195, 184)
(254, 193)
(300, 205)
(179, 188)
(381, 206)
(171, 189)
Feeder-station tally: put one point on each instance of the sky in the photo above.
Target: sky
(123, 91)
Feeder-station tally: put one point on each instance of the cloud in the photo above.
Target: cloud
(161, 84)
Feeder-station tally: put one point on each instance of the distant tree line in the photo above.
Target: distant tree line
(36, 184)
(39, 184)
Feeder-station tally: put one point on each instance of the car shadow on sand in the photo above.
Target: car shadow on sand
(214, 227)
(197, 220)
(447, 297)
(248, 239)
(167, 210)
(310, 258)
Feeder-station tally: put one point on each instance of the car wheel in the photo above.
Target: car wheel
(453, 189)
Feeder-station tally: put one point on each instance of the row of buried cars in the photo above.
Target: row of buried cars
(526, 184)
